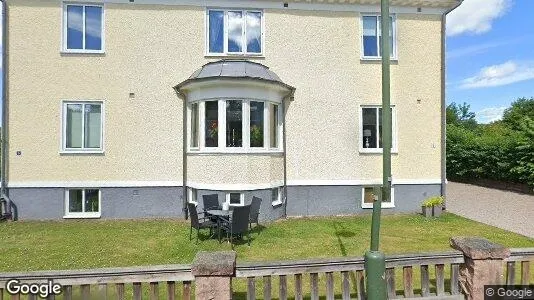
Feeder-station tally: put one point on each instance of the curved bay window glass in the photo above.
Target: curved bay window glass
(234, 123)
(256, 124)
(211, 124)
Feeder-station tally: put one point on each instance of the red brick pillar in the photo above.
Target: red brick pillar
(213, 273)
(484, 264)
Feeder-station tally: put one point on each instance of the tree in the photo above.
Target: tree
(460, 115)
(515, 115)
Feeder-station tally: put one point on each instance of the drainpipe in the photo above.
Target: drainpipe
(444, 105)
(4, 199)
(185, 201)
(289, 97)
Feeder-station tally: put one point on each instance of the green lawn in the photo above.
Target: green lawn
(93, 243)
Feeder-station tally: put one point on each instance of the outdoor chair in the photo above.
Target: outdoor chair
(210, 201)
(238, 223)
(254, 211)
(199, 223)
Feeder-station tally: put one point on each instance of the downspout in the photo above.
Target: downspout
(184, 152)
(443, 103)
(289, 97)
(6, 212)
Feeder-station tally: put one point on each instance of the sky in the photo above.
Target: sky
(490, 55)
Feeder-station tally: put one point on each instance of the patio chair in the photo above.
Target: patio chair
(254, 211)
(199, 223)
(238, 223)
(210, 201)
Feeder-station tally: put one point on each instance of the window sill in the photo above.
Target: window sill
(277, 203)
(373, 58)
(82, 51)
(376, 151)
(67, 152)
(384, 205)
(240, 151)
(82, 216)
(234, 55)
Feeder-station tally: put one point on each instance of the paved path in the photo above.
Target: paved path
(506, 210)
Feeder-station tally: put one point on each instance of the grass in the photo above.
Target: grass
(27, 246)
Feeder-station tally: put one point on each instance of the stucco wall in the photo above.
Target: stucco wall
(150, 48)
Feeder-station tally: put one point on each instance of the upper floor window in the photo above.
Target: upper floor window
(234, 126)
(234, 32)
(83, 28)
(82, 126)
(372, 37)
(371, 129)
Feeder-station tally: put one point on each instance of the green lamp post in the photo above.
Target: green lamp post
(375, 264)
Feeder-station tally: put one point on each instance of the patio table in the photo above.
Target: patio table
(221, 215)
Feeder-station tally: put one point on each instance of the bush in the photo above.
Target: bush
(433, 201)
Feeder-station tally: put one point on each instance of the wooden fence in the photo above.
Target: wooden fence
(432, 275)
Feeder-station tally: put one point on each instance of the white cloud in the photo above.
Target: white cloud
(482, 48)
(498, 75)
(475, 16)
(490, 114)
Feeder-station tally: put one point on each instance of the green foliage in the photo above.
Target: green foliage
(433, 201)
(501, 151)
(460, 115)
(515, 115)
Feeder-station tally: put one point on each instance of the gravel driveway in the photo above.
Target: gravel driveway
(503, 209)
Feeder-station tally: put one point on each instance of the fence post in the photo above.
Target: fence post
(213, 273)
(483, 264)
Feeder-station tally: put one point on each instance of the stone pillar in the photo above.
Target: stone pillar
(483, 264)
(213, 273)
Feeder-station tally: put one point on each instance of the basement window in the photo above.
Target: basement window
(82, 203)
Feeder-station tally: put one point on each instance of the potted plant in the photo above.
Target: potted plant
(256, 136)
(427, 208)
(438, 206)
(433, 206)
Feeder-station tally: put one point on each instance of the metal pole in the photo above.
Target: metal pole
(374, 259)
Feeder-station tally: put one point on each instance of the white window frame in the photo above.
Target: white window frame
(394, 134)
(395, 42)
(64, 149)
(241, 198)
(192, 196)
(280, 198)
(82, 215)
(64, 29)
(384, 204)
(221, 121)
(225, 33)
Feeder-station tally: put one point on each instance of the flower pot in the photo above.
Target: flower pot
(436, 210)
(427, 211)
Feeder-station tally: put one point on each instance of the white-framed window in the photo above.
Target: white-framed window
(372, 36)
(235, 198)
(83, 28)
(371, 129)
(234, 32)
(277, 195)
(192, 195)
(82, 203)
(235, 125)
(368, 196)
(83, 124)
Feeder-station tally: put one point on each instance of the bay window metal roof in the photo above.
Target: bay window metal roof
(234, 69)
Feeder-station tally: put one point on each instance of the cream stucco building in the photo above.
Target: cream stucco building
(124, 109)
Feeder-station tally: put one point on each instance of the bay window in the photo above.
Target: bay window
(234, 32)
(234, 125)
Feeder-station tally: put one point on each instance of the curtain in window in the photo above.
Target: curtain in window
(370, 47)
(216, 31)
(74, 126)
(253, 29)
(93, 121)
